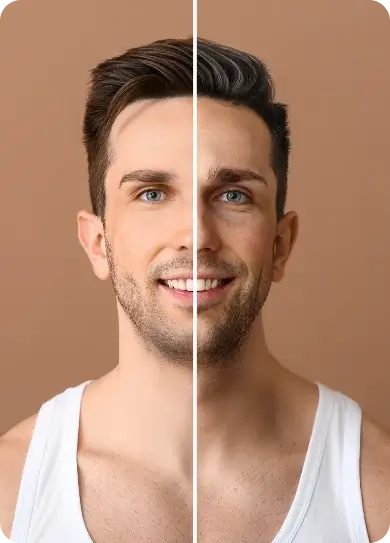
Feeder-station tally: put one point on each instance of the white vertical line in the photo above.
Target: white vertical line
(195, 261)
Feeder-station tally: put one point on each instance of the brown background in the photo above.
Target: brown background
(329, 319)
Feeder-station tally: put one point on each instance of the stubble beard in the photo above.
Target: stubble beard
(165, 339)
(172, 343)
(224, 344)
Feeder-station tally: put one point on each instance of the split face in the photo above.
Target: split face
(147, 246)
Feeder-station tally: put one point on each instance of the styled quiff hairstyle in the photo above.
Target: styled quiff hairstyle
(164, 69)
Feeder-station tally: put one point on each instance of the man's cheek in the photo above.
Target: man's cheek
(253, 245)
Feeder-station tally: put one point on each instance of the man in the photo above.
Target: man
(278, 457)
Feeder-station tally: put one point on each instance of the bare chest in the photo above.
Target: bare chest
(128, 505)
(248, 511)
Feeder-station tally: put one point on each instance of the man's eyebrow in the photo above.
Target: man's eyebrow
(226, 176)
(147, 176)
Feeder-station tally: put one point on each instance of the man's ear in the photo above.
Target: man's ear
(285, 239)
(91, 238)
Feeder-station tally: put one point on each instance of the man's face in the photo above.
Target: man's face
(236, 225)
(149, 220)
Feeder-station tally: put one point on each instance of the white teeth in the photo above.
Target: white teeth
(201, 285)
(188, 284)
(182, 284)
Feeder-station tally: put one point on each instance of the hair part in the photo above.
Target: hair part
(164, 69)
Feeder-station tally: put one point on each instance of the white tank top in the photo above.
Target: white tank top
(327, 507)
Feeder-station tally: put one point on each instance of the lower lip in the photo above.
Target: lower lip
(204, 296)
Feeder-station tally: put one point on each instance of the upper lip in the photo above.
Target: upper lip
(200, 275)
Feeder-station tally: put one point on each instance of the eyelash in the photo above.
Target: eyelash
(145, 191)
(154, 189)
(236, 190)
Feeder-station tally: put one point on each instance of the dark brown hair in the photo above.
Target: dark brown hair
(164, 69)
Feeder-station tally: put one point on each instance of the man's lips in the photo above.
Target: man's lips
(207, 296)
(202, 284)
(185, 276)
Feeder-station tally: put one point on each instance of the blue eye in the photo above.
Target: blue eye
(235, 197)
(151, 195)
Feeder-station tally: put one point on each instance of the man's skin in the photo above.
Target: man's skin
(254, 425)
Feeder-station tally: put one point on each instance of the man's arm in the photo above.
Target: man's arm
(375, 479)
(13, 451)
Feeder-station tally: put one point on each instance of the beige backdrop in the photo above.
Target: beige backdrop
(329, 319)
(57, 321)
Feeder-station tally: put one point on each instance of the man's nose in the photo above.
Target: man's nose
(208, 238)
(203, 229)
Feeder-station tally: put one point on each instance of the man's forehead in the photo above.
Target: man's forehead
(129, 115)
(231, 137)
(152, 114)
(151, 133)
(212, 116)
(158, 134)
(227, 128)
(150, 136)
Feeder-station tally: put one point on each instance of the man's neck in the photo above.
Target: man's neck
(143, 408)
(237, 404)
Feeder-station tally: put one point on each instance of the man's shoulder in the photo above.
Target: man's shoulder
(375, 478)
(13, 451)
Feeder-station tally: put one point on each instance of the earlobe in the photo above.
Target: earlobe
(91, 238)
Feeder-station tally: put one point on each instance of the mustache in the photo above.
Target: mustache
(209, 264)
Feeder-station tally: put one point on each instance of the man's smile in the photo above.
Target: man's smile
(209, 289)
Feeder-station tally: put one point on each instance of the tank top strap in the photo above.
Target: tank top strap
(31, 472)
(351, 415)
(58, 418)
(311, 468)
(329, 486)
